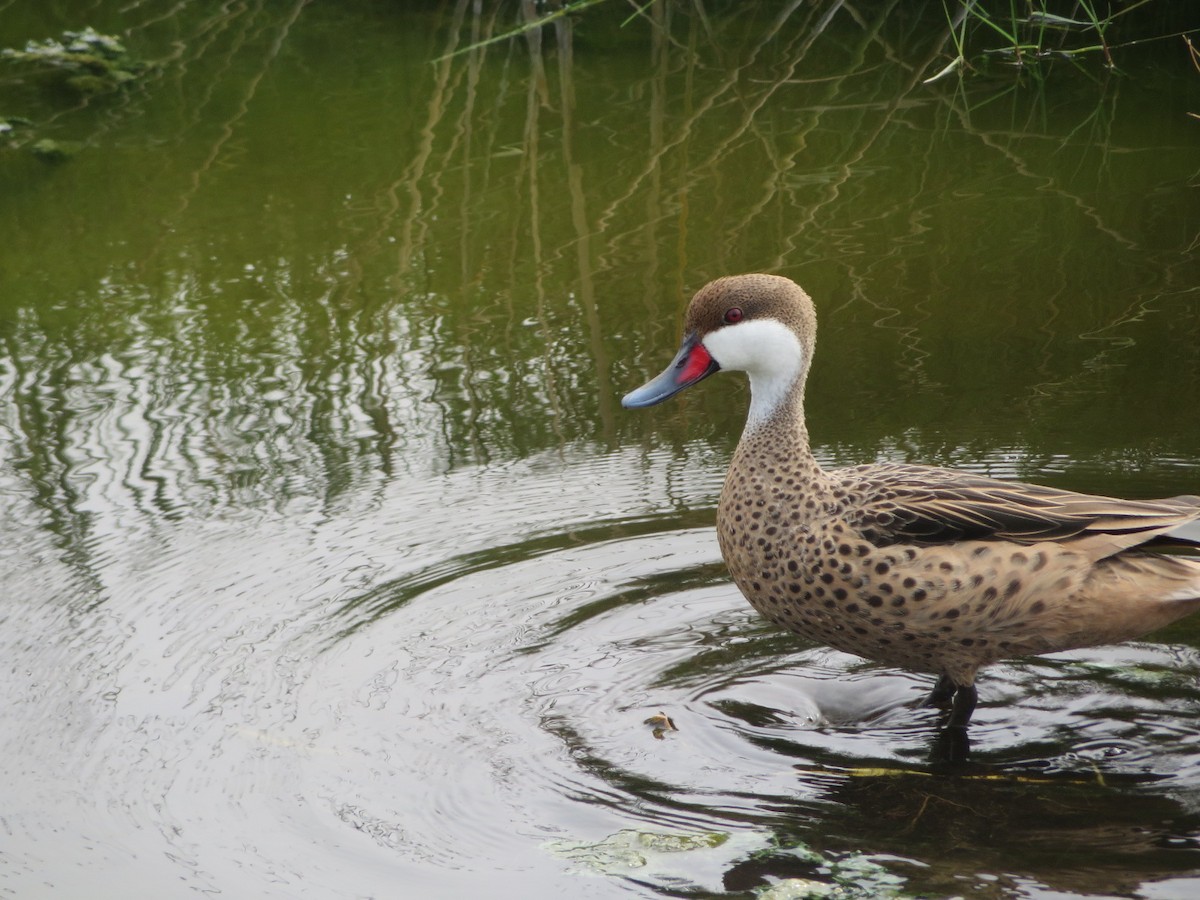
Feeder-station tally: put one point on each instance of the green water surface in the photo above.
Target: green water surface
(331, 564)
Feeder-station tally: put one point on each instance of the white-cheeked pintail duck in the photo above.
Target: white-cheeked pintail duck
(923, 568)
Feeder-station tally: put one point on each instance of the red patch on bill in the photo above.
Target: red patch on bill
(697, 364)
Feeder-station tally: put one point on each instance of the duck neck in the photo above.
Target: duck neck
(775, 424)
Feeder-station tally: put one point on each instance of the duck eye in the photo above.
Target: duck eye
(733, 315)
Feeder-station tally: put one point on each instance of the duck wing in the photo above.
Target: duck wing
(894, 503)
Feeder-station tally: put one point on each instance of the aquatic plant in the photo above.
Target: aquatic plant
(86, 63)
(49, 150)
(89, 62)
(852, 876)
(785, 869)
(1024, 34)
(9, 124)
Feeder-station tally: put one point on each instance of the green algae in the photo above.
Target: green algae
(77, 66)
(86, 62)
(785, 870)
(51, 151)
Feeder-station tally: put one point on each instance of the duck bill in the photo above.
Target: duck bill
(691, 364)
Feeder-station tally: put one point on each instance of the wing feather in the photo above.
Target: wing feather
(893, 503)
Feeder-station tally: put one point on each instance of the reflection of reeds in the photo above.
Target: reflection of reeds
(585, 286)
(531, 27)
(464, 304)
(671, 173)
(250, 28)
(1194, 55)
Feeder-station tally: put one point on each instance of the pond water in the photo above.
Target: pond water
(332, 566)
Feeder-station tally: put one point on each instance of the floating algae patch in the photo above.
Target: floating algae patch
(85, 61)
(859, 877)
(9, 124)
(77, 66)
(851, 876)
(629, 849)
(678, 860)
(52, 151)
(807, 889)
(714, 860)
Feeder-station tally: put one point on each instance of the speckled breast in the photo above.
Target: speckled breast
(806, 571)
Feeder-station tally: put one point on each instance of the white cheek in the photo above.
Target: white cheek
(769, 352)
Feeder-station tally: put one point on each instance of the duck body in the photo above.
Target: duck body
(923, 568)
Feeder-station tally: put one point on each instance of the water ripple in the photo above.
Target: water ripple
(534, 710)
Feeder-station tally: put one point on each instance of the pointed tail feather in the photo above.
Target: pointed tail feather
(1188, 533)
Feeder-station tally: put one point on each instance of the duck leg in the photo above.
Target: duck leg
(942, 693)
(961, 699)
(965, 697)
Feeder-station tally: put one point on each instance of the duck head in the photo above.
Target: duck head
(764, 325)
